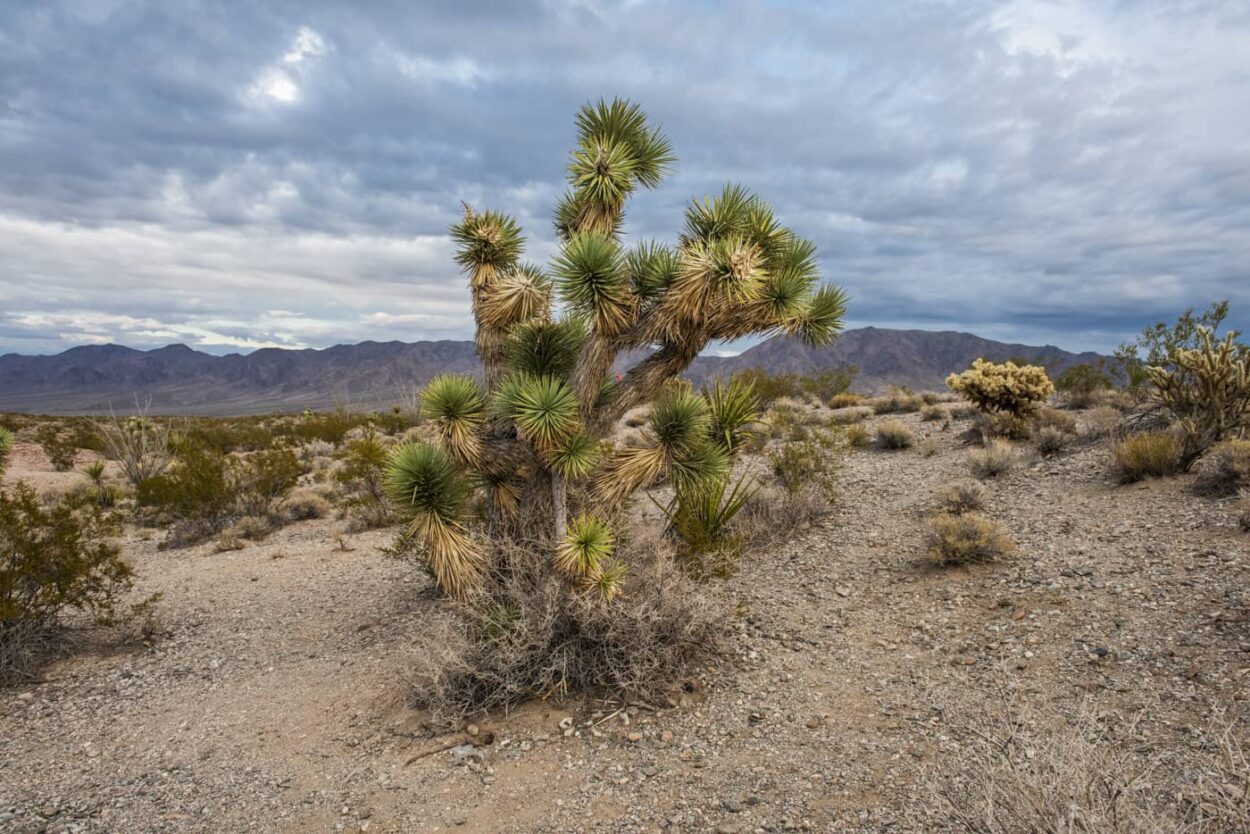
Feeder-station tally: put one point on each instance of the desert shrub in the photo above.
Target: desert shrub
(55, 560)
(1081, 385)
(1100, 422)
(1206, 389)
(929, 447)
(314, 450)
(1050, 441)
(702, 520)
(821, 386)
(894, 434)
(529, 632)
(249, 527)
(996, 458)
(362, 477)
(261, 479)
(58, 445)
(772, 515)
(811, 463)
(1146, 455)
(1243, 516)
(225, 436)
(1053, 418)
(960, 497)
(1018, 773)
(963, 411)
(304, 504)
(99, 492)
(327, 426)
(1005, 388)
(857, 436)
(933, 413)
(853, 414)
(1156, 344)
(1226, 470)
(1005, 426)
(142, 446)
(196, 494)
(845, 400)
(7, 439)
(898, 401)
(965, 538)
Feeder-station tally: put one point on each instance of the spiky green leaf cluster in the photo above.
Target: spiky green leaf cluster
(591, 276)
(734, 408)
(543, 409)
(454, 402)
(546, 348)
(487, 243)
(586, 545)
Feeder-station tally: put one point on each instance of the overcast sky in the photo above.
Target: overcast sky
(258, 174)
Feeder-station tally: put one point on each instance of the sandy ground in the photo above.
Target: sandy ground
(272, 695)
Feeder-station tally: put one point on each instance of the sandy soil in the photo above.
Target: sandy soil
(271, 697)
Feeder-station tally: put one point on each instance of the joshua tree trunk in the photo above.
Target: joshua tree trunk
(559, 500)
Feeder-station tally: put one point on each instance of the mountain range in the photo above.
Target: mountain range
(177, 379)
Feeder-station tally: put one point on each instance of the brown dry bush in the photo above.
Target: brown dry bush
(857, 437)
(1226, 470)
(965, 538)
(898, 401)
(996, 458)
(1100, 422)
(850, 415)
(1146, 455)
(1010, 776)
(1051, 441)
(929, 447)
(772, 516)
(934, 413)
(529, 632)
(1053, 418)
(960, 497)
(304, 504)
(894, 434)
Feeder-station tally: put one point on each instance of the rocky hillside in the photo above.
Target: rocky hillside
(180, 380)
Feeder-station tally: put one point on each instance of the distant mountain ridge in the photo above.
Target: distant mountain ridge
(181, 380)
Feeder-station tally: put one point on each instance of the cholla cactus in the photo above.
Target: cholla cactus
(6, 446)
(1005, 388)
(1207, 389)
(532, 436)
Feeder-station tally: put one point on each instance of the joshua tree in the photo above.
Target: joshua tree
(532, 438)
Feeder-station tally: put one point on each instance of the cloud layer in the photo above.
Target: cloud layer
(242, 175)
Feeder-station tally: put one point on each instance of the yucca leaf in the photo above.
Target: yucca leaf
(652, 268)
(627, 471)
(544, 410)
(545, 348)
(454, 402)
(591, 277)
(625, 123)
(680, 418)
(710, 220)
(608, 582)
(487, 243)
(518, 295)
(821, 322)
(587, 543)
(575, 456)
(734, 408)
(699, 467)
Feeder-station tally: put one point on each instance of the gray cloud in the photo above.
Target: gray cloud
(235, 175)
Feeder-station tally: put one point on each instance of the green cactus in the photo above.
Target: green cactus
(1207, 389)
(532, 436)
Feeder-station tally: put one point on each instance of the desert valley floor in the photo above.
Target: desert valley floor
(269, 695)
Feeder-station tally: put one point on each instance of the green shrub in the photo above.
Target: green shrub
(7, 439)
(55, 560)
(57, 445)
(1005, 388)
(1081, 385)
(821, 386)
(261, 479)
(813, 463)
(965, 538)
(225, 436)
(196, 494)
(996, 458)
(362, 477)
(702, 520)
(894, 434)
(960, 497)
(1226, 470)
(1146, 455)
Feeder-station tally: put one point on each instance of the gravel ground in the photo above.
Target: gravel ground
(271, 697)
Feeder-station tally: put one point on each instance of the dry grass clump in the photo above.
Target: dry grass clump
(850, 415)
(845, 400)
(1226, 470)
(960, 497)
(1146, 455)
(929, 447)
(858, 436)
(1053, 418)
(304, 504)
(996, 458)
(1005, 425)
(1051, 441)
(963, 411)
(933, 413)
(897, 401)
(894, 434)
(1100, 422)
(1012, 776)
(964, 539)
(531, 632)
(771, 516)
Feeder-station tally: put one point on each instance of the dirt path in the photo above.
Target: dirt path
(273, 699)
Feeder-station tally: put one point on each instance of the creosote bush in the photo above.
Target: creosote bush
(996, 458)
(55, 559)
(1082, 385)
(58, 445)
(894, 434)
(1147, 455)
(965, 538)
(1003, 388)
